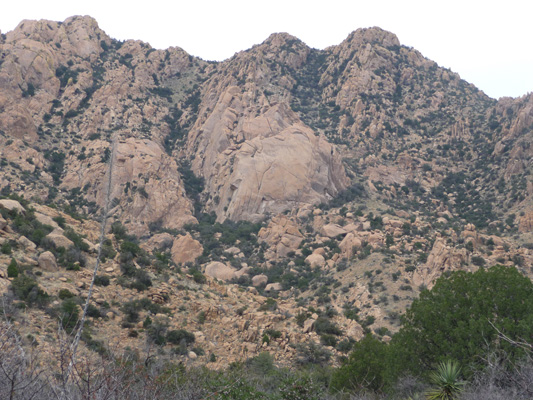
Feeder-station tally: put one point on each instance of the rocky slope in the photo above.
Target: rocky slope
(340, 182)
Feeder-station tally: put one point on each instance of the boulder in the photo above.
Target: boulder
(244, 271)
(442, 258)
(220, 271)
(259, 280)
(333, 230)
(26, 243)
(348, 244)
(308, 325)
(315, 260)
(60, 240)
(233, 250)
(47, 262)
(186, 249)
(143, 163)
(46, 220)
(159, 241)
(10, 205)
(273, 287)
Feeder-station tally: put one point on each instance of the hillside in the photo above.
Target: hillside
(282, 197)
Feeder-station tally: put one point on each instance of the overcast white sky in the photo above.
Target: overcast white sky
(489, 43)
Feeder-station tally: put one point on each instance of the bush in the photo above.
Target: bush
(460, 318)
(177, 336)
(479, 261)
(328, 340)
(155, 333)
(65, 294)
(364, 369)
(301, 388)
(12, 269)
(27, 289)
(311, 353)
(6, 248)
(69, 314)
(325, 326)
(269, 305)
(101, 280)
(93, 311)
(198, 277)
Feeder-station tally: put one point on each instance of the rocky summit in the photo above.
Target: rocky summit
(285, 197)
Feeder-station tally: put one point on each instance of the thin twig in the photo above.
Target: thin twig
(76, 341)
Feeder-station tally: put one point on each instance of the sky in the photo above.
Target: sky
(488, 43)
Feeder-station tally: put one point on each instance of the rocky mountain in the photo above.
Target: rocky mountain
(340, 182)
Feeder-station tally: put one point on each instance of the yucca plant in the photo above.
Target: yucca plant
(446, 381)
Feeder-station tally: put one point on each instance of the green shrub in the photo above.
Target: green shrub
(198, 277)
(461, 317)
(69, 314)
(274, 334)
(269, 305)
(93, 311)
(325, 326)
(201, 317)
(155, 333)
(27, 289)
(300, 389)
(311, 353)
(328, 340)
(364, 369)
(101, 280)
(65, 294)
(177, 336)
(6, 248)
(12, 269)
(479, 261)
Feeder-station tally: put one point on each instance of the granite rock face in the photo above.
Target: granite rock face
(266, 163)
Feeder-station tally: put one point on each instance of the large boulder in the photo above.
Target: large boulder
(186, 249)
(333, 230)
(349, 243)
(47, 262)
(12, 205)
(46, 220)
(276, 287)
(158, 241)
(259, 280)
(220, 271)
(59, 240)
(442, 258)
(315, 260)
(26, 243)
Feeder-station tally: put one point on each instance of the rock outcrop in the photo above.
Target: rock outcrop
(220, 271)
(47, 262)
(186, 249)
(282, 235)
(441, 258)
(266, 163)
(146, 182)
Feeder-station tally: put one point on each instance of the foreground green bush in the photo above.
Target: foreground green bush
(461, 317)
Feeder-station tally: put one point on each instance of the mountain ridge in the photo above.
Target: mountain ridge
(284, 181)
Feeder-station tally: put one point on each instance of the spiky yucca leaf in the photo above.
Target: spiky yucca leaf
(446, 381)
